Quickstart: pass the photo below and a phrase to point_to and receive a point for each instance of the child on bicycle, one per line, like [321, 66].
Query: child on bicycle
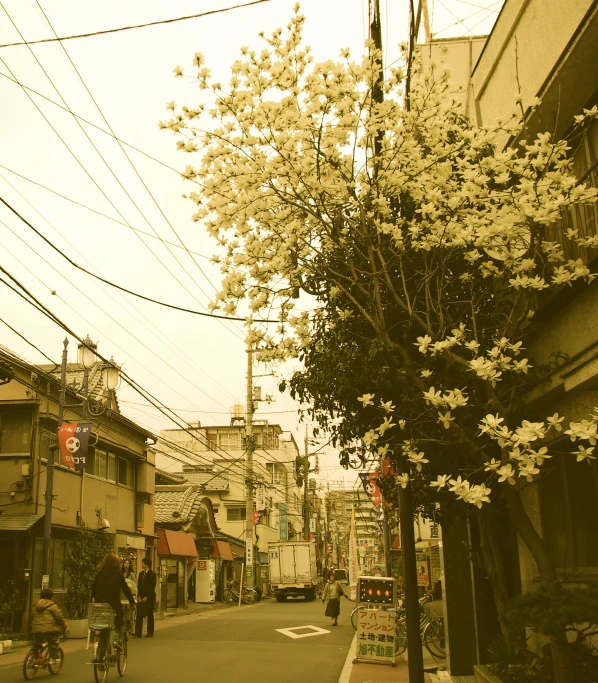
[47, 622]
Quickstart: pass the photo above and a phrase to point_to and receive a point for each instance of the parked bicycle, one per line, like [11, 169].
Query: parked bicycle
[107, 650]
[231, 594]
[42, 657]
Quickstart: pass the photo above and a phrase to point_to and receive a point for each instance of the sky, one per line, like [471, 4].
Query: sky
[140, 234]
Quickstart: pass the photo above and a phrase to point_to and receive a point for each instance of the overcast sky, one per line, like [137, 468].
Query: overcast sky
[192, 364]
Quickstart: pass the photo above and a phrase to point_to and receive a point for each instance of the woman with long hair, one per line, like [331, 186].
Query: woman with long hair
[108, 584]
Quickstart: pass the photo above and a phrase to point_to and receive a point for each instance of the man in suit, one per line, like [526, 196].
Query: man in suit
[146, 598]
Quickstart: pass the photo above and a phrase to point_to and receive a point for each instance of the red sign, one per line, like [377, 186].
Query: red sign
[387, 468]
[256, 517]
[73, 441]
[369, 481]
[202, 565]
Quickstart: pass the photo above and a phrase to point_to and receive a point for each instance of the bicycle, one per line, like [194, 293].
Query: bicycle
[433, 633]
[232, 593]
[106, 652]
[39, 657]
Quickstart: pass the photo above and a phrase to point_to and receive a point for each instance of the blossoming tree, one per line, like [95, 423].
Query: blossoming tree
[418, 236]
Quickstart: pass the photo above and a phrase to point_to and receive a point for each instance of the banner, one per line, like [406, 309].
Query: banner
[353, 558]
[369, 481]
[257, 515]
[283, 525]
[73, 441]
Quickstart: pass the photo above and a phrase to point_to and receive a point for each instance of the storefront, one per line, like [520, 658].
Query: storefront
[176, 551]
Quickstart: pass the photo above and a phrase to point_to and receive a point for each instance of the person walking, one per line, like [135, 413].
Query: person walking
[107, 586]
[146, 598]
[333, 593]
[129, 612]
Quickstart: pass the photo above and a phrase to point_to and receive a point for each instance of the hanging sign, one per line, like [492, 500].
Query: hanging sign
[283, 527]
[73, 441]
[256, 517]
[369, 481]
[312, 524]
[260, 498]
[423, 578]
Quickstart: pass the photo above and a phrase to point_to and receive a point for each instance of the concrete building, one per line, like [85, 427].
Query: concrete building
[116, 488]
[222, 478]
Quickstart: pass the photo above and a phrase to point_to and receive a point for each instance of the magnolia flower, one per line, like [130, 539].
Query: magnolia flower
[492, 466]
[445, 419]
[426, 373]
[477, 495]
[555, 421]
[366, 399]
[403, 480]
[529, 471]
[506, 473]
[387, 424]
[387, 407]
[585, 454]
[417, 459]
[177, 71]
[423, 343]
[370, 437]
[382, 450]
[490, 423]
[583, 430]
[402, 424]
[440, 482]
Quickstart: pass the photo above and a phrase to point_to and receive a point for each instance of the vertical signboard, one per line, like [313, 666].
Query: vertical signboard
[423, 577]
[249, 557]
[353, 558]
[376, 636]
[283, 525]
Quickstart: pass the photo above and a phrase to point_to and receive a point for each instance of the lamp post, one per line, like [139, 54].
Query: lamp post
[86, 357]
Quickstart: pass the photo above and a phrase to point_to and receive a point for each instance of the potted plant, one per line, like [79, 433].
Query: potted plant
[81, 564]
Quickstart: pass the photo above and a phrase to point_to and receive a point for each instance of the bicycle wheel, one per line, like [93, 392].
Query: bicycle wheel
[54, 665]
[29, 668]
[354, 617]
[121, 659]
[400, 637]
[249, 596]
[101, 666]
[228, 596]
[433, 637]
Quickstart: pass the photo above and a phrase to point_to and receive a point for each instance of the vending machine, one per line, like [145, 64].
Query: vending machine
[205, 581]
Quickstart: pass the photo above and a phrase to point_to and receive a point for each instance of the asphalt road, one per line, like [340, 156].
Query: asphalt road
[232, 646]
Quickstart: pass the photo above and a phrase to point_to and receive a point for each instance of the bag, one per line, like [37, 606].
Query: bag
[132, 584]
[143, 609]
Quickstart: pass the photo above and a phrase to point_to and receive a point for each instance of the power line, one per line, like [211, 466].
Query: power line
[90, 123]
[97, 106]
[99, 213]
[136, 26]
[168, 343]
[28, 342]
[113, 284]
[108, 167]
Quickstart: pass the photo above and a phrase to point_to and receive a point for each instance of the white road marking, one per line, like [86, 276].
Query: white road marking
[290, 632]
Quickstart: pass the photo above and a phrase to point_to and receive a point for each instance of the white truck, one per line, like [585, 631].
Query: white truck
[293, 569]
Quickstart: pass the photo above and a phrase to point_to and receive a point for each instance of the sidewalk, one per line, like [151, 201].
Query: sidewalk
[16, 655]
[375, 673]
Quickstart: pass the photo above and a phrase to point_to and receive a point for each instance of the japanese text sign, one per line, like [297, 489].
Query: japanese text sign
[73, 441]
[376, 636]
[369, 481]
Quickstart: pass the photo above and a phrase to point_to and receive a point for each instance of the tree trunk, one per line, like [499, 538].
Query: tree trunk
[560, 650]
[494, 565]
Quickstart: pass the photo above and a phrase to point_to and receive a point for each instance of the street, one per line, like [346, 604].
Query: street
[236, 646]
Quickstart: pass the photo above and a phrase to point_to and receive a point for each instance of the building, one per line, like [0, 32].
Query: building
[221, 475]
[115, 492]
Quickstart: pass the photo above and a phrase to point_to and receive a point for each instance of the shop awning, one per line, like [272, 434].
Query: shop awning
[221, 549]
[176, 543]
[18, 522]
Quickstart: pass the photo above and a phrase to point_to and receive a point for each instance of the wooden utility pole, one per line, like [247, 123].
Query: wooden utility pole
[249, 564]
[305, 488]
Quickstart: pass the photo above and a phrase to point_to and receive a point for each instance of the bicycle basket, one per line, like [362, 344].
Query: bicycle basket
[100, 615]
[434, 609]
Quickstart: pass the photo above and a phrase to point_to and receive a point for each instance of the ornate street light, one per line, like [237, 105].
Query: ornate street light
[86, 353]
[110, 375]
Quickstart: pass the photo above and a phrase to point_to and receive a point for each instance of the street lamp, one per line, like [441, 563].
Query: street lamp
[110, 375]
[86, 353]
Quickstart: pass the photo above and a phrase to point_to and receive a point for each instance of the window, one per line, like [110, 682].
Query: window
[229, 440]
[46, 439]
[569, 501]
[126, 472]
[236, 514]
[58, 551]
[15, 433]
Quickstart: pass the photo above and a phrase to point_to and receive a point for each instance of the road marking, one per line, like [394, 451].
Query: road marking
[290, 632]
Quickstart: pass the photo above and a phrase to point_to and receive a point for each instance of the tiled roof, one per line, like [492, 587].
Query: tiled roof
[211, 481]
[74, 374]
[176, 504]
[168, 478]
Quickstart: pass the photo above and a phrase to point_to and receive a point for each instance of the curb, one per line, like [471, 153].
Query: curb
[348, 665]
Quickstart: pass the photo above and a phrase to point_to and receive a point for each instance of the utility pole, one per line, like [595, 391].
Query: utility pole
[412, 609]
[385, 529]
[249, 564]
[305, 488]
[50, 466]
